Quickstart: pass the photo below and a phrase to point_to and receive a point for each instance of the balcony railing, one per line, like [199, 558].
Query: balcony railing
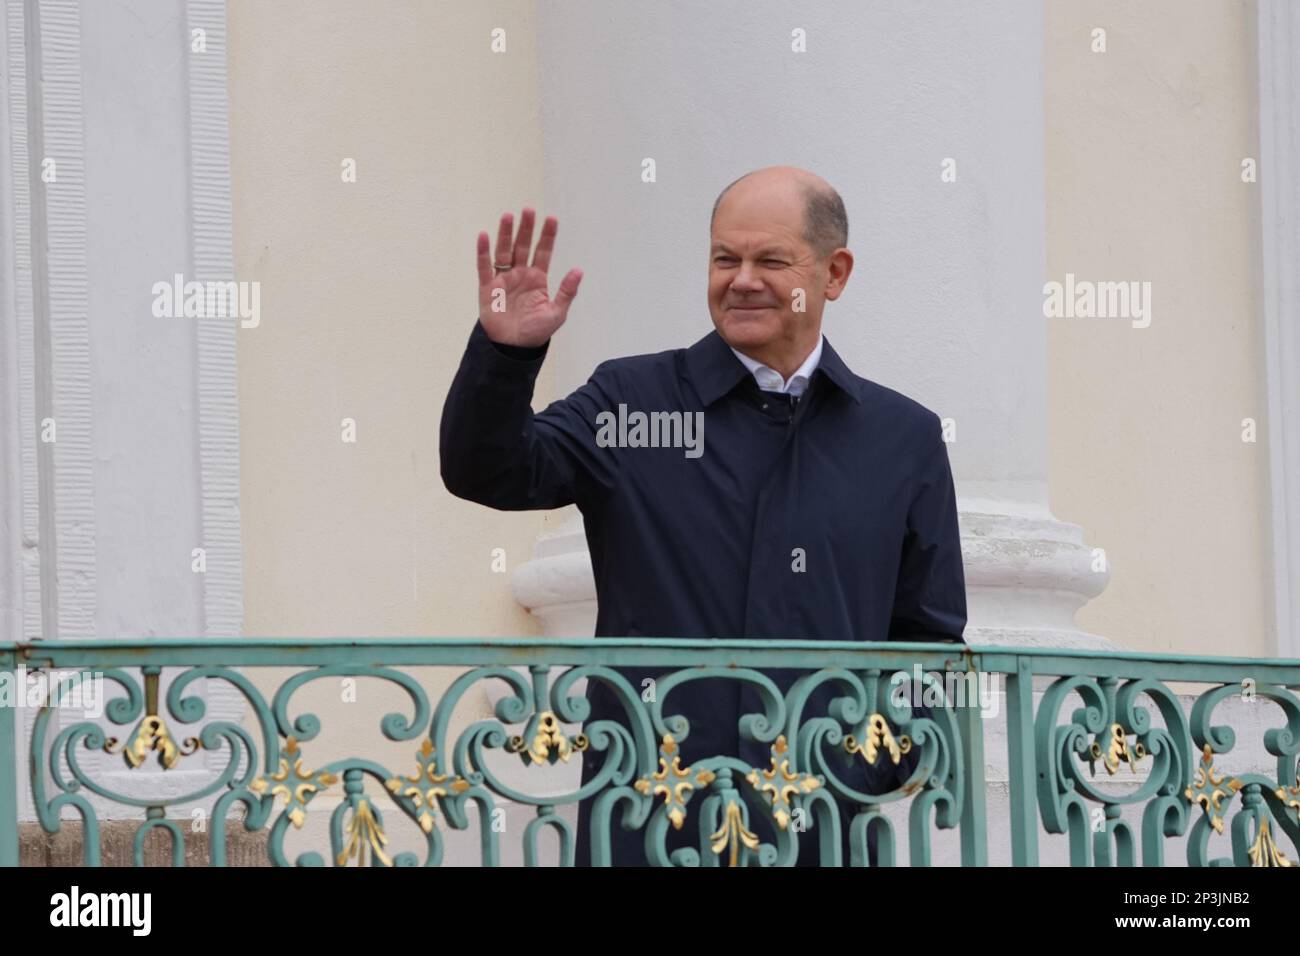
[1132, 759]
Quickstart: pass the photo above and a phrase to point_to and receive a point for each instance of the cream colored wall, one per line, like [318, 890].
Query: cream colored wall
[1143, 153]
[369, 293]
[368, 296]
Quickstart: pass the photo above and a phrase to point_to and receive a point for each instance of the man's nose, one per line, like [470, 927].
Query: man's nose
[746, 279]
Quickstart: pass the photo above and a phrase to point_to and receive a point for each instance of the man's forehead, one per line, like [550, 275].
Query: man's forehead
[754, 243]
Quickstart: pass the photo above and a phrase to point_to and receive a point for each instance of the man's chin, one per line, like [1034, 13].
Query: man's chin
[741, 332]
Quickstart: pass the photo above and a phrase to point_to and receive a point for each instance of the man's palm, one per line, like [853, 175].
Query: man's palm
[514, 306]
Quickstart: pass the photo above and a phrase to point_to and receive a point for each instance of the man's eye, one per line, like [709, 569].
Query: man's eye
[774, 262]
[723, 259]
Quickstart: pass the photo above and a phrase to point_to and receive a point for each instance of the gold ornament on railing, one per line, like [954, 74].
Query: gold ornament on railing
[1117, 751]
[426, 785]
[549, 741]
[298, 791]
[1207, 789]
[780, 784]
[732, 834]
[673, 781]
[364, 831]
[1264, 852]
[151, 735]
[878, 736]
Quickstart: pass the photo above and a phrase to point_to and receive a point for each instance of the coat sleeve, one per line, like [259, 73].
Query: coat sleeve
[495, 451]
[930, 598]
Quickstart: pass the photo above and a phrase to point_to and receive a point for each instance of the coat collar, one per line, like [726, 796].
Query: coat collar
[715, 370]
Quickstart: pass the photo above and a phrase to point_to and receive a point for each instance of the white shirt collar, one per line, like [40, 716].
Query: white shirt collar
[769, 380]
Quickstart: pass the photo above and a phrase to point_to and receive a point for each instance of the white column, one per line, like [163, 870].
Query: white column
[1279, 184]
[115, 176]
[945, 303]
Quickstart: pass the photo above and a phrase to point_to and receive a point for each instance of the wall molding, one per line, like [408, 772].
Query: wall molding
[51, 519]
[19, 516]
[1278, 30]
[48, 574]
[218, 384]
[61, 332]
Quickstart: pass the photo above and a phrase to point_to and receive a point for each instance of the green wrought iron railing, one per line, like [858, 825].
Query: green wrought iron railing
[1131, 758]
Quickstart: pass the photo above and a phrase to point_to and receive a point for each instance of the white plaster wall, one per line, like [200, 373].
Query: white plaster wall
[945, 289]
[146, 443]
[101, 162]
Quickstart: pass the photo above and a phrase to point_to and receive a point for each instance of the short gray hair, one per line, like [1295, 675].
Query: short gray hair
[825, 220]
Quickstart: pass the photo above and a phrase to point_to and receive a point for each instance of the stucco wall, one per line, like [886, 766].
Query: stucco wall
[369, 293]
[1144, 147]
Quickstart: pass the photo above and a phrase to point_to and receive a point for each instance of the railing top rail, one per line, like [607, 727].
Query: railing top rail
[461, 651]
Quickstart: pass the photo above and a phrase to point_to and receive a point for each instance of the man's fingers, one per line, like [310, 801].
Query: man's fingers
[484, 260]
[568, 289]
[504, 233]
[542, 258]
[524, 241]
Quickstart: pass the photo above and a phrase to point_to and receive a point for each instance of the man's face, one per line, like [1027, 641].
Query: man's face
[757, 260]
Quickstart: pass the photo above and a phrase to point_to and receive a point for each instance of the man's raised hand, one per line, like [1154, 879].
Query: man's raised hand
[514, 307]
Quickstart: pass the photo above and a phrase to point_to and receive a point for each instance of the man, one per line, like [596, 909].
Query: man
[818, 506]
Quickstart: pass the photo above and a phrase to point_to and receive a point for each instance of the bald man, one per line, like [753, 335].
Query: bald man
[749, 486]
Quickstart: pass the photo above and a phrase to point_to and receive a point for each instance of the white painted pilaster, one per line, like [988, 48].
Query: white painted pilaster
[1279, 191]
[115, 176]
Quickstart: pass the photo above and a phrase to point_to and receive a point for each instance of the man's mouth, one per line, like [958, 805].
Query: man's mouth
[749, 308]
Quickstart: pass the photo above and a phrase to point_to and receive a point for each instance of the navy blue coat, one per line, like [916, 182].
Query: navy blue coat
[853, 473]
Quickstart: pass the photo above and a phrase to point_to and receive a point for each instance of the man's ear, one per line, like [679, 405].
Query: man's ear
[839, 268]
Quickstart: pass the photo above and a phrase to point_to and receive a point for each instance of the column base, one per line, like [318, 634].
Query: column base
[1026, 575]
